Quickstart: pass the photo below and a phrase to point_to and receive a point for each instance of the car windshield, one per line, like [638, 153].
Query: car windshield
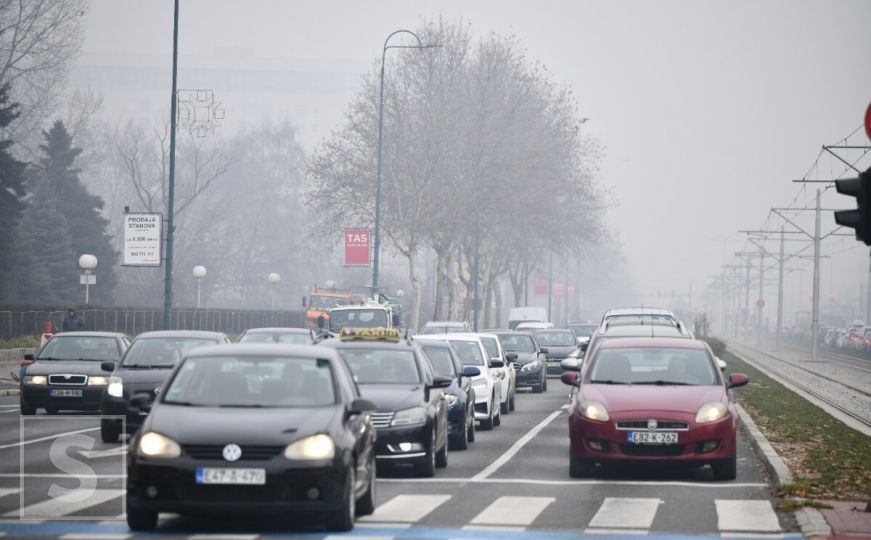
[357, 318]
[147, 352]
[62, 347]
[556, 339]
[382, 366]
[652, 365]
[519, 343]
[440, 358]
[491, 346]
[469, 352]
[324, 303]
[584, 330]
[442, 329]
[294, 338]
[252, 381]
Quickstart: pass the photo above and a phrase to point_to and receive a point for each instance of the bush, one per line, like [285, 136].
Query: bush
[717, 345]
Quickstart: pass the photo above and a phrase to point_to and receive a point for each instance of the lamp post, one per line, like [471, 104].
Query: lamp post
[170, 206]
[199, 273]
[377, 243]
[87, 263]
[274, 279]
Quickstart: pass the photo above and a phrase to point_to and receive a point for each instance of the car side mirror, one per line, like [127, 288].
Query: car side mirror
[721, 364]
[471, 371]
[737, 379]
[543, 350]
[511, 357]
[496, 363]
[108, 366]
[570, 378]
[360, 406]
[583, 346]
[30, 357]
[441, 382]
[140, 403]
[570, 364]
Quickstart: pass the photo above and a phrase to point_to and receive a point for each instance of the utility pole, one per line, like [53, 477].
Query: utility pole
[815, 313]
[549, 286]
[780, 291]
[170, 210]
[760, 301]
[747, 295]
[477, 269]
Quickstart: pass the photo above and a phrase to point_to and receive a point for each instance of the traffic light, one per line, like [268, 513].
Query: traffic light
[859, 219]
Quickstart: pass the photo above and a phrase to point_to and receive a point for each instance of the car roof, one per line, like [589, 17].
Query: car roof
[552, 330]
[435, 343]
[90, 334]
[457, 336]
[656, 342]
[278, 330]
[263, 349]
[180, 333]
[335, 343]
[645, 330]
[639, 311]
[511, 333]
[446, 323]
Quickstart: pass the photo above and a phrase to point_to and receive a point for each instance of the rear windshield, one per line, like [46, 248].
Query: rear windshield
[277, 337]
[81, 348]
[166, 352]
[584, 330]
[380, 366]
[652, 365]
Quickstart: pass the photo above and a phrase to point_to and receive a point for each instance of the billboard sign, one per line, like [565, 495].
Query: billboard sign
[143, 240]
[358, 243]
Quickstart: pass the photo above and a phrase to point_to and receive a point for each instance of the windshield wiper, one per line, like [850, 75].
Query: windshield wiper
[609, 381]
[663, 383]
[148, 366]
[241, 405]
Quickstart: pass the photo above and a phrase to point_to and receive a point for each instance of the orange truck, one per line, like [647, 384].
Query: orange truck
[320, 302]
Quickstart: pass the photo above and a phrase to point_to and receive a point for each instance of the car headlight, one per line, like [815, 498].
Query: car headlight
[451, 399]
[116, 387]
[594, 411]
[711, 412]
[318, 446]
[532, 366]
[98, 381]
[35, 379]
[479, 384]
[409, 417]
[153, 444]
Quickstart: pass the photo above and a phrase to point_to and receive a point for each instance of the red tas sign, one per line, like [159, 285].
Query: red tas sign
[358, 243]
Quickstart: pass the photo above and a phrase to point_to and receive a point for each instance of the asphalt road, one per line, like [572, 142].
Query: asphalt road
[513, 482]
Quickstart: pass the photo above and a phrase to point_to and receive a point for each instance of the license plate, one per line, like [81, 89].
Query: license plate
[652, 437]
[553, 363]
[66, 392]
[209, 475]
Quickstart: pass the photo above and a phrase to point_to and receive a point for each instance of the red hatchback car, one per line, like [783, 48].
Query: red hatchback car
[653, 399]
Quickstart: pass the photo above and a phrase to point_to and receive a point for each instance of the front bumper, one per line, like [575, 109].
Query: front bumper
[554, 369]
[403, 444]
[528, 378]
[39, 396]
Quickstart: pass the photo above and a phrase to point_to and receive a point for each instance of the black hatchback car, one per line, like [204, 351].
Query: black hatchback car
[560, 344]
[142, 370]
[411, 408]
[460, 395]
[255, 429]
[67, 374]
[530, 365]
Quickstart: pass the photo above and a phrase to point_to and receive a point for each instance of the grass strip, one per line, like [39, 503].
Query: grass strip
[829, 460]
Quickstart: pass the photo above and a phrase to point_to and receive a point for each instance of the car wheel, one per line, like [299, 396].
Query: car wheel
[544, 384]
[511, 399]
[343, 519]
[427, 468]
[141, 520]
[538, 388]
[579, 467]
[461, 440]
[51, 410]
[503, 407]
[109, 431]
[726, 469]
[27, 410]
[487, 424]
[471, 428]
[442, 456]
[366, 504]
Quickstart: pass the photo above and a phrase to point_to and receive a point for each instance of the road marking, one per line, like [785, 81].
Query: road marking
[94, 536]
[93, 454]
[9, 411]
[501, 460]
[533, 481]
[625, 513]
[772, 536]
[406, 508]
[60, 475]
[8, 406]
[512, 511]
[565, 407]
[50, 437]
[493, 528]
[8, 491]
[54, 508]
[621, 532]
[383, 525]
[223, 536]
[739, 515]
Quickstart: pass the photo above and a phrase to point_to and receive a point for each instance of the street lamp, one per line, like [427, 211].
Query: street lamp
[377, 242]
[199, 273]
[274, 279]
[87, 263]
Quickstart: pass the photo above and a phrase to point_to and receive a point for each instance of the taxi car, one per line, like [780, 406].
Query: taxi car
[460, 395]
[653, 399]
[254, 429]
[411, 416]
[66, 374]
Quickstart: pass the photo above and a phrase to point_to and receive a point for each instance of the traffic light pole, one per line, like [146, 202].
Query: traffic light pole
[780, 292]
[815, 314]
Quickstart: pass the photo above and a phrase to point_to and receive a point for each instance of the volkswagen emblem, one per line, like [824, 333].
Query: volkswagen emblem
[651, 424]
[157, 391]
[232, 452]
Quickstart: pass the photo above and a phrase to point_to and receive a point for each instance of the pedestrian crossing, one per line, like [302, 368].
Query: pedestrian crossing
[734, 518]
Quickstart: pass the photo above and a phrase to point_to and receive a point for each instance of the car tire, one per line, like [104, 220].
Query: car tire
[27, 410]
[141, 520]
[511, 399]
[366, 504]
[342, 520]
[442, 457]
[539, 388]
[110, 431]
[461, 440]
[726, 469]
[487, 425]
[427, 468]
[579, 467]
[497, 419]
[470, 431]
[544, 384]
[503, 407]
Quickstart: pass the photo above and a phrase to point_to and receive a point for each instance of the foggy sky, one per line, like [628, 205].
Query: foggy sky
[706, 110]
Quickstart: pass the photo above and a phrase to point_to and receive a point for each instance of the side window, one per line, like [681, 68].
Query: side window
[423, 361]
[347, 385]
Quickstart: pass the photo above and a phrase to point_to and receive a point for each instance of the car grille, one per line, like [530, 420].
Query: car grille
[652, 449]
[673, 425]
[67, 379]
[216, 451]
[382, 419]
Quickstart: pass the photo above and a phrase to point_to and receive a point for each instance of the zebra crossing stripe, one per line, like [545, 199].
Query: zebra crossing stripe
[219, 536]
[625, 513]
[512, 511]
[55, 508]
[94, 536]
[406, 508]
[746, 516]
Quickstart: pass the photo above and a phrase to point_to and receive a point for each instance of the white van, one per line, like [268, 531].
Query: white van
[526, 314]
[533, 326]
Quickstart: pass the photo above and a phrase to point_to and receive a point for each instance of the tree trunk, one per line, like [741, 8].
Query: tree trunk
[441, 282]
[497, 293]
[449, 283]
[488, 297]
[416, 288]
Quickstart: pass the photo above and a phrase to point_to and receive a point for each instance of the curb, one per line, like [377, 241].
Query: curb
[812, 522]
[9, 392]
[778, 470]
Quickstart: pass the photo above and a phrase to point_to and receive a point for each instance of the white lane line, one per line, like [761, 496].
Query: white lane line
[505, 528]
[8, 491]
[8, 406]
[60, 475]
[95, 536]
[9, 411]
[625, 513]
[50, 437]
[406, 508]
[739, 515]
[594, 531]
[503, 459]
[533, 481]
[565, 407]
[771, 536]
[219, 536]
[512, 511]
[63, 506]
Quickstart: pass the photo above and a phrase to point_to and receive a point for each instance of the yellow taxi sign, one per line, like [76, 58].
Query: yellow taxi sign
[370, 334]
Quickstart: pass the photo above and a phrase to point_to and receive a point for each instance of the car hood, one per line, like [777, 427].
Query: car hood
[559, 352]
[392, 397]
[52, 367]
[217, 425]
[142, 376]
[619, 398]
[525, 358]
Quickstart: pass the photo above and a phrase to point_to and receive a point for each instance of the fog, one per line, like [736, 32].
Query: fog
[705, 111]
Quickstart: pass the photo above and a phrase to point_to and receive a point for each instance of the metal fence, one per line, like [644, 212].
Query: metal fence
[132, 321]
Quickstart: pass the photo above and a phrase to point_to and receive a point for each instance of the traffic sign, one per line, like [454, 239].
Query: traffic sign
[868, 121]
[760, 303]
[357, 247]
